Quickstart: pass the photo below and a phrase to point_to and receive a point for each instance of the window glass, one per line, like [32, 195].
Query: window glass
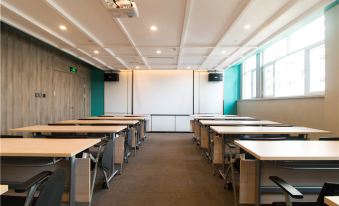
[317, 69]
[275, 51]
[246, 86]
[250, 63]
[307, 35]
[268, 80]
[289, 75]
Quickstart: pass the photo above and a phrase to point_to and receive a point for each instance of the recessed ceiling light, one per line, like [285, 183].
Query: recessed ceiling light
[137, 67]
[153, 28]
[247, 26]
[188, 67]
[158, 51]
[223, 51]
[96, 52]
[62, 27]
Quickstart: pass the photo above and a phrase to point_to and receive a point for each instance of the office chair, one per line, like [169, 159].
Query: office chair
[50, 184]
[329, 138]
[328, 189]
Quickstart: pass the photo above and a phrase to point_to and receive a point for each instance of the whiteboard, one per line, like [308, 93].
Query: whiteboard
[163, 92]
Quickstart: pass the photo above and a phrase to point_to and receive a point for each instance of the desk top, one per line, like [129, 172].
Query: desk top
[3, 189]
[291, 150]
[224, 118]
[265, 130]
[100, 122]
[232, 122]
[115, 118]
[43, 147]
[332, 200]
[70, 129]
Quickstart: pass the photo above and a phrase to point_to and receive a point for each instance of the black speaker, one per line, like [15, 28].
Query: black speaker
[215, 77]
[111, 77]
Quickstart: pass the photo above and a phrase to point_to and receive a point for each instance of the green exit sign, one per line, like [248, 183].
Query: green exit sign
[73, 69]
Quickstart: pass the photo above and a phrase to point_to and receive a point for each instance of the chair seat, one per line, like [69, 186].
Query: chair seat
[296, 204]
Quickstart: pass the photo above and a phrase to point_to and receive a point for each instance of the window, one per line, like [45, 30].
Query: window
[289, 75]
[292, 66]
[317, 69]
[249, 78]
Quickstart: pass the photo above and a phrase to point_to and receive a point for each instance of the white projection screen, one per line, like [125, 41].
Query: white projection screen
[163, 92]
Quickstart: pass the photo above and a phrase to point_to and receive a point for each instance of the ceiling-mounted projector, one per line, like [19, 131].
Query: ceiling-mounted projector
[122, 8]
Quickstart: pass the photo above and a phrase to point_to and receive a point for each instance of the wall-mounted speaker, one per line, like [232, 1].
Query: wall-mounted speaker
[111, 77]
[215, 77]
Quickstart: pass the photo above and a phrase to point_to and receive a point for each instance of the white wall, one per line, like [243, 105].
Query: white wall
[208, 96]
[322, 113]
[166, 92]
[118, 95]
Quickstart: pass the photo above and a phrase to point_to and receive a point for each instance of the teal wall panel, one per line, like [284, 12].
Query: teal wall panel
[231, 89]
[97, 92]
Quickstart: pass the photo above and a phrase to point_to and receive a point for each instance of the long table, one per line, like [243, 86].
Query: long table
[231, 133]
[332, 200]
[33, 147]
[264, 151]
[3, 189]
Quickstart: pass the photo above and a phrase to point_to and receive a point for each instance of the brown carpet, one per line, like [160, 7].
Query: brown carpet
[167, 170]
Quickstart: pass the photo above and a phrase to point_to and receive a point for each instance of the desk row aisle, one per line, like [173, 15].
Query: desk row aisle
[76, 149]
[261, 160]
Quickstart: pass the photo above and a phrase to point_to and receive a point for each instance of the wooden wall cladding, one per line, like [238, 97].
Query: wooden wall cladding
[29, 66]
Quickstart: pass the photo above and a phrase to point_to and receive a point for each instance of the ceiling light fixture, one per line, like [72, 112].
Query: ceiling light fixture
[158, 51]
[153, 28]
[247, 26]
[63, 27]
[188, 67]
[223, 51]
[137, 67]
[96, 52]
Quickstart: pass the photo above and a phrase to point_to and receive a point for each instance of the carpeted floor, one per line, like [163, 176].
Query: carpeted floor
[167, 170]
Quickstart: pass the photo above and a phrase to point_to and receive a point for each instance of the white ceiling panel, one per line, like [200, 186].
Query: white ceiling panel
[167, 15]
[209, 20]
[191, 34]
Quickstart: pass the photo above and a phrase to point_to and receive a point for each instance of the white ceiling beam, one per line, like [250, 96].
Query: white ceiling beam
[281, 11]
[70, 19]
[42, 27]
[235, 20]
[131, 41]
[184, 29]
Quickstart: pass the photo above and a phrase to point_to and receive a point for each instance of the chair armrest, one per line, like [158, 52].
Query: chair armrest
[32, 181]
[289, 189]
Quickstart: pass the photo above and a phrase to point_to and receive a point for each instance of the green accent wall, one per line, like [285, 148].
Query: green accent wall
[231, 89]
[330, 6]
[97, 92]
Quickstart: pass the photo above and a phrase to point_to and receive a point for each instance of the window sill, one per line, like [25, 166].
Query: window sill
[284, 98]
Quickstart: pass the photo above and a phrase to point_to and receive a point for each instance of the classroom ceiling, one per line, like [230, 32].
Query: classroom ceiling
[191, 34]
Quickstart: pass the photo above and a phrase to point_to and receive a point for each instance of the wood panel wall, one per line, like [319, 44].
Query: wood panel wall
[29, 66]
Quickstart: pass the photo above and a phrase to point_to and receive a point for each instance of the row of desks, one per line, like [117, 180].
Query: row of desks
[67, 147]
[231, 127]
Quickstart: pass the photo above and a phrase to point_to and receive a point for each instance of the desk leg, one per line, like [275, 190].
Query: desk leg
[257, 182]
[113, 170]
[72, 177]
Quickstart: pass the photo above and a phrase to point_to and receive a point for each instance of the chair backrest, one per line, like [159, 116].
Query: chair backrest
[52, 191]
[107, 158]
[329, 138]
[328, 189]
[11, 136]
[263, 137]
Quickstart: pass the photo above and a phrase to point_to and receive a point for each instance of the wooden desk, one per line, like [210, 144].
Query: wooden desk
[42, 147]
[115, 118]
[332, 200]
[3, 189]
[238, 130]
[100, 122]
[224, 118]
[32, 147]
[235, 123]
[287, 151]
[69, 129]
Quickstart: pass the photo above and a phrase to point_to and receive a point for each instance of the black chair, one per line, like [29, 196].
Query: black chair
[11, 136]
[329, 138]
[328, 189]
[51, 187]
